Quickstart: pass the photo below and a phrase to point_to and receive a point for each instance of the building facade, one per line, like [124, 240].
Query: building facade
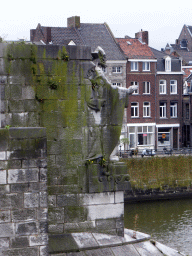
[141, 68]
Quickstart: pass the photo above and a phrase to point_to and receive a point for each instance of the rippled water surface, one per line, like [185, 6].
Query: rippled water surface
[169, 222]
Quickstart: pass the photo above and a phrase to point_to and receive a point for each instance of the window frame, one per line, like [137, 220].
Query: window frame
[173, 109]
[135, 83]
[162, 109]
[134, 66]
[146, 66]
[146, 85]
[117, 69]
[173, 86]
[135, 109]
[168, 64]
[162, 87]
[146, 109]
[118, 84]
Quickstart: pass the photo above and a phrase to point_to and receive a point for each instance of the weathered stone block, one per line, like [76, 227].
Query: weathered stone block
[56, 228]
[4, 243]
[16, 106]
[36, 240]
[4, 139]
[3, 177]
[14, 164]
[19, 188]
[67, 200]
[52, 200]
[119, 197]
[43, 199]
[42, 214]
[105, 211]
[11, 201]
[24, 229]
[4, 189]
[28, 93]
[76, 214]
[16, 92]
[3, 165]
[6, 229]
[29, 251]
[97, 198]
[31, 200]
[23, 175]
[3, 155]
[23, 215]
[21, 133]
[56, 215]
[43, 174]
[5, 216]
[19, 242]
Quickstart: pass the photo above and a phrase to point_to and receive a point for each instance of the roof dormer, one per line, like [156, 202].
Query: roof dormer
[167, 64]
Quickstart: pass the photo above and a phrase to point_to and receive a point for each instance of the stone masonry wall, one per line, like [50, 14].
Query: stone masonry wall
[23, 192]
[47, 86]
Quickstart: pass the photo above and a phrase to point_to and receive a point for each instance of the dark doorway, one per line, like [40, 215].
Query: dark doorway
[175, 138]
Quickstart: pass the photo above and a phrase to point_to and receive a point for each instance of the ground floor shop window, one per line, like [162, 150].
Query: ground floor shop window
[164, 137]
[141, 136]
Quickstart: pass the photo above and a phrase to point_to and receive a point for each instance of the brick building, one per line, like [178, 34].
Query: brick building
[141, 68]
[169, 80]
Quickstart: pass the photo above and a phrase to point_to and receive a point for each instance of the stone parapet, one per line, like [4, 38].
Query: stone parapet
[23, 196]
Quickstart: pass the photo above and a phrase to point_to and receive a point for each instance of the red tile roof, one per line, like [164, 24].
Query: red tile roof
[134, 49]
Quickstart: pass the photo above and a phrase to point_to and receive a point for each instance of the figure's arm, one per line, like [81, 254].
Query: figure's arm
[132, 88]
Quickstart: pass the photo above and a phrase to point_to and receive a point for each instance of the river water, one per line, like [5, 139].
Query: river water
[168, 222]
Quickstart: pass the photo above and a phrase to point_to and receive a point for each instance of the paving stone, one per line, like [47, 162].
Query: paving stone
[104, 239]
[84, 240]
[99, 252]
[125, 250]
[147, 249]
[167, 250]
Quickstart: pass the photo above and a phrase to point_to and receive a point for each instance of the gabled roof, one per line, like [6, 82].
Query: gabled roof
[87, 34]
[134, 49]
[95, 35]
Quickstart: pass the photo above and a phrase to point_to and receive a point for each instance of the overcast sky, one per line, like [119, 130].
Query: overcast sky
[163, 19]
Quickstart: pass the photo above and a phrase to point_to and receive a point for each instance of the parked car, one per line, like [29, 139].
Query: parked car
[148, 152]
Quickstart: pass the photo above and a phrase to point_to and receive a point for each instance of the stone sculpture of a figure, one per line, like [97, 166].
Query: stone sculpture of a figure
[106, 104]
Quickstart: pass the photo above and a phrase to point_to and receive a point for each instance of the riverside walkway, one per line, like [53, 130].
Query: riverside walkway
[96, 244]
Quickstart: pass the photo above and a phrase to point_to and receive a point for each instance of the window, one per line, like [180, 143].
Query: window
[173, 109]
[118, 84]
[163, 136]
[146, 87]
[134, 109]
[173, 86]
[146, 66]
[168, 64]
[134, 66]
[145, 135]
[117, 69]
[136, 91]
[162, 109]
[162, 87]
[146, 109]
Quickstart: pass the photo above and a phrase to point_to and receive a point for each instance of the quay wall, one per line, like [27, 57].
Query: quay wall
[156, 178]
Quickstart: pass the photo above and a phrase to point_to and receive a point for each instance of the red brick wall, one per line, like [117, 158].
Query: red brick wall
[140, 77]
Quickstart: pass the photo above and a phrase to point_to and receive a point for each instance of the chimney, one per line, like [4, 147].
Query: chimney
[73, 22]
[142, 36]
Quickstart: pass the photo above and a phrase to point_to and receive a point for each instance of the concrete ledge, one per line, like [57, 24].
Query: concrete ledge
[85, 243]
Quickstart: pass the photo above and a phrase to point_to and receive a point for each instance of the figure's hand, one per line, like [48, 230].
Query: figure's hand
[132, 88]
